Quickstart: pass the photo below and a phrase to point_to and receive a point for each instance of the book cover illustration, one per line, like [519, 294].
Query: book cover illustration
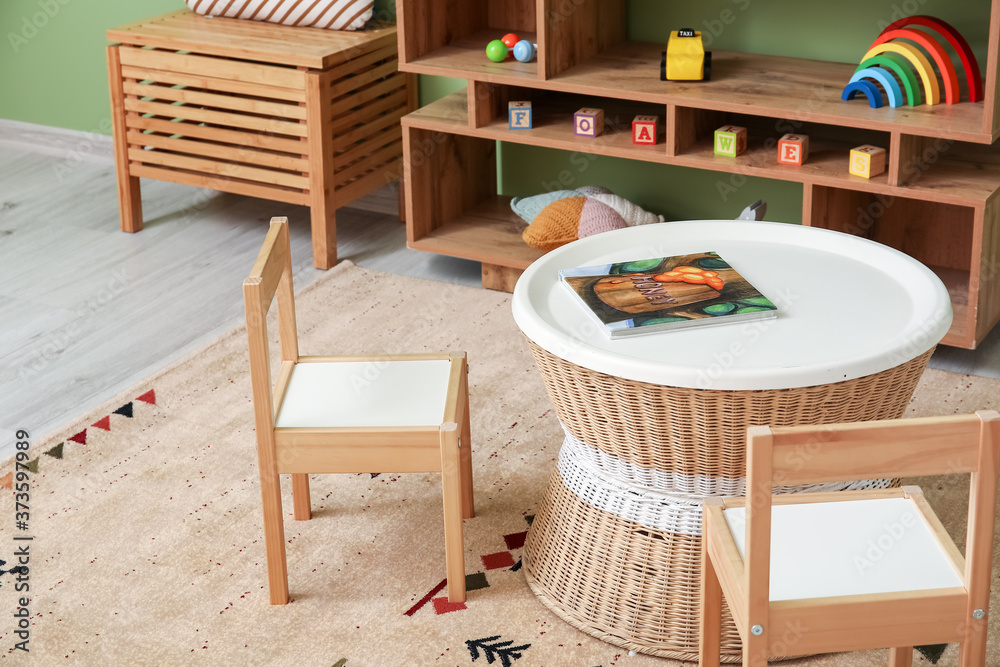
[656, 294]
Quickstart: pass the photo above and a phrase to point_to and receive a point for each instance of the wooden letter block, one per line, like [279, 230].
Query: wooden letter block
[793, 149]
[519, 115]
[589, 122]
[867, 161]
[644, 129]
[730, 140]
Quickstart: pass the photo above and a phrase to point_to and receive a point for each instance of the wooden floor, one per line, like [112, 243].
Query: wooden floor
[87, 311]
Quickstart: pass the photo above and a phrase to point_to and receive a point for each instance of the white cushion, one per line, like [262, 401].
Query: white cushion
[370, 393]
[849, 548]
[333, 14]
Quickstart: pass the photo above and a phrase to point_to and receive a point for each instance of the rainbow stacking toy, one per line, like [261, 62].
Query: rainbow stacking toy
[890, 58]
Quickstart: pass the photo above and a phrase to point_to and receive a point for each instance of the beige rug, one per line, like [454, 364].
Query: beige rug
[147, 542]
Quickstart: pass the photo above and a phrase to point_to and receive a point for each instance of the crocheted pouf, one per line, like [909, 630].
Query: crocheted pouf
[568, 219]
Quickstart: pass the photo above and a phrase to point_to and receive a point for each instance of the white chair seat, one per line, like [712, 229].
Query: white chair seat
[366, 393]
[849, 548]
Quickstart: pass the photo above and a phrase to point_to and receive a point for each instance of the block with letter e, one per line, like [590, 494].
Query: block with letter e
[644, 129]
[793, 149]
[867, 161]
[730, 140]
[589, 122]
[519, 115]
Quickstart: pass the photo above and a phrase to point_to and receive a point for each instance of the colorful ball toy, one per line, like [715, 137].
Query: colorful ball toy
[524, 51]
[510, 39]
[496, 51]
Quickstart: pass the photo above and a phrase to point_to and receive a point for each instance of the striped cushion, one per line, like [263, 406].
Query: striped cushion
[333, 14]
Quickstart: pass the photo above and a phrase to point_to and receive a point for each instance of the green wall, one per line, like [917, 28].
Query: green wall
[52, 59]
[52, 72]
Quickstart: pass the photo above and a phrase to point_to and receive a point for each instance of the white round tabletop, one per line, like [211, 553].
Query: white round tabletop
[847, 307]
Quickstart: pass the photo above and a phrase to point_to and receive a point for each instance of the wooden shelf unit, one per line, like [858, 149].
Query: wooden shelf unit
[936, 201]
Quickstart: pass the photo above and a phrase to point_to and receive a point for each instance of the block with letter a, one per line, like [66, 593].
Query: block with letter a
[644, 129]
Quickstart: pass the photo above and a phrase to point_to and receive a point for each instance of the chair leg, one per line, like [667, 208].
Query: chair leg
[710, 644]
[300, 497]
[465, 454]
[755, 651]
[901, 656]
[972, 652]
[451, 486]
[274, 536]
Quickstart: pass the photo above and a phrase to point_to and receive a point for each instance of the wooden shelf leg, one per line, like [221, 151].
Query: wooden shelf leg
[500, 278]
[401, 184]
[322, 202]
[324, 235]
[129, 201]
[129, 195]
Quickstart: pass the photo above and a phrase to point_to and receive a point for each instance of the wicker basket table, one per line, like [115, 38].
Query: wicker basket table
[655, 423]
[291, 114]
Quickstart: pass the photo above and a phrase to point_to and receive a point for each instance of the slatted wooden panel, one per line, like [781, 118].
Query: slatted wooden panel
[368, 96]
[215, 122]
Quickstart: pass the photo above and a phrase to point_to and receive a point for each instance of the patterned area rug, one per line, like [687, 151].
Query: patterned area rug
[141, 534]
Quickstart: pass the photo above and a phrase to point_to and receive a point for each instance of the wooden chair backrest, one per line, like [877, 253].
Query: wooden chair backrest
[271, 276]
[865, 450]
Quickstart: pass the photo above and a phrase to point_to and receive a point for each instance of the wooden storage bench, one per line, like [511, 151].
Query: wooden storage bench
[297, 115]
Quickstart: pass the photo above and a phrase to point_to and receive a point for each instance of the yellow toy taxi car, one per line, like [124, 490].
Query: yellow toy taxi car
[685, 58]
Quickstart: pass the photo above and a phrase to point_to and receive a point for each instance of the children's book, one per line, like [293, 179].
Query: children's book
[666, 293]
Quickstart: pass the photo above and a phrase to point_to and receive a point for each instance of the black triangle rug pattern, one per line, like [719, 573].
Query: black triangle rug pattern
[932, 652]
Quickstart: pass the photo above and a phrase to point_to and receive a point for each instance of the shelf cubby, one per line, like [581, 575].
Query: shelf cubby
[693, 145]
[914, 227]
[446, 38]
[553, 121]
[457, 218]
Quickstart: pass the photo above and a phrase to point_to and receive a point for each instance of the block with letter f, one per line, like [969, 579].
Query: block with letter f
[519, 115]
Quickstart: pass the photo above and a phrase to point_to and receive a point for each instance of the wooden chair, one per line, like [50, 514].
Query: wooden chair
[387, 413]
[808, 573]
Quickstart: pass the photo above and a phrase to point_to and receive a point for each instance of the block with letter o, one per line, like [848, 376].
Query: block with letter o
[589, 122]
